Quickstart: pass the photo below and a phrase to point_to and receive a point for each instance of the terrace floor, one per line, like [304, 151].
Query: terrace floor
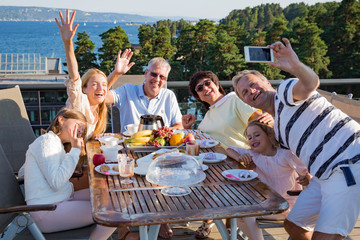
[187, 232]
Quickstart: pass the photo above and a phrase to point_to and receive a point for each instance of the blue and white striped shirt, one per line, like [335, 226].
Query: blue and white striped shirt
[321, 135]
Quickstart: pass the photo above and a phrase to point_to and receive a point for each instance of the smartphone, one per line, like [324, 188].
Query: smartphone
[258, 54]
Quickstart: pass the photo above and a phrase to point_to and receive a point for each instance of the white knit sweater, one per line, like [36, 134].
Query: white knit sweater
[48, 169]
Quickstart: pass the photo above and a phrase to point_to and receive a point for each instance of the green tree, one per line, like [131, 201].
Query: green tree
[295, 10]
[84, 52]
[185, 45]
[224, 57]
[238, 32]
[114, 40]
[310, 48]
[146, 34]
[345, 40]
[193, 46]
[205, 31]
[259, 39]
[162, 44]
[276, 31]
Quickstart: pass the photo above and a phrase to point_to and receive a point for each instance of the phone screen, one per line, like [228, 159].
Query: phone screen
[258, 54]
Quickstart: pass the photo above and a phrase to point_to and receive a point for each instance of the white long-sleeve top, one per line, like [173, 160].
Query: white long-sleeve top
[48, 169]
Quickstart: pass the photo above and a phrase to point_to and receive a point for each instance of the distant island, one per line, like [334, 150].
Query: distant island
[9, 13]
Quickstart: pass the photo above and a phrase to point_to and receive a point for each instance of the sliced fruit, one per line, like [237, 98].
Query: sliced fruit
[142, 133]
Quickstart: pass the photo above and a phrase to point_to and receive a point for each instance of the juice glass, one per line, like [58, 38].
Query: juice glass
[126, 169]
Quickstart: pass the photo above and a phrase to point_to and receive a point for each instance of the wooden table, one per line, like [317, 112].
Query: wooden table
[141, 204]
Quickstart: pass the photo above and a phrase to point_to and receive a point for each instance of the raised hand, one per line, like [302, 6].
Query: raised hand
[188, 120]
[76, 140]
[123, 62]
[286, 58]
[67, 30]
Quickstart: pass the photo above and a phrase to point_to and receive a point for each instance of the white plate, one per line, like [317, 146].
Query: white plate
[237, 173]
[218, 158]
[141, 170]
[207, 143]
[110, 172]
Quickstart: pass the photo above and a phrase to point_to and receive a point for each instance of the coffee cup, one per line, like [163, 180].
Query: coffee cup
[110, 153]
[110, 141]
[131, 128]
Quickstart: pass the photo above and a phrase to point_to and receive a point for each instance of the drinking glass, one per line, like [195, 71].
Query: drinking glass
[126, 169]
[192, 148]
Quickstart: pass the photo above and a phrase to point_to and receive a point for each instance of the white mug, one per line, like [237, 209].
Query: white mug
[110, 153]
[110, 141]
[131, 128]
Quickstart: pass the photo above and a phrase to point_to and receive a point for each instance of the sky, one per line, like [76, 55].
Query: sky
[210, 9]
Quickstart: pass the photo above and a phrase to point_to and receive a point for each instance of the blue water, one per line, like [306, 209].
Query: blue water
[44, 37]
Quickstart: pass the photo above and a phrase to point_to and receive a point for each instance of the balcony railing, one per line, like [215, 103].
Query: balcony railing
[22, 63]
[44, 99]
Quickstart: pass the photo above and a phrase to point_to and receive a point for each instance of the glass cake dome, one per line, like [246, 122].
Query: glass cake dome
[177, 171]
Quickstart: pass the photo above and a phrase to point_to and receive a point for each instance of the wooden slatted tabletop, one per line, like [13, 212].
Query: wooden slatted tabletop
[142, 203]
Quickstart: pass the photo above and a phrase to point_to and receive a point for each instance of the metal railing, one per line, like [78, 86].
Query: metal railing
[22, 63]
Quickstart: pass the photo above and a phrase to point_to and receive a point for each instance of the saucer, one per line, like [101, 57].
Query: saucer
[218, 157]
[127, 133]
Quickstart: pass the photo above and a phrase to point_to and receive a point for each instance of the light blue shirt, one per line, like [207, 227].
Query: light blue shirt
[132, 103]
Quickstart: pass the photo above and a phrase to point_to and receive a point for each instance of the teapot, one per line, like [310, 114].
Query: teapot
[150, 122]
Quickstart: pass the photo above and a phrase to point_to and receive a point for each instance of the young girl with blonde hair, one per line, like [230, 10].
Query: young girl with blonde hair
[50, 163]
[279, 168]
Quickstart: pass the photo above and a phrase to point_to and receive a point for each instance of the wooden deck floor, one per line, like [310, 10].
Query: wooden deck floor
[183, 232]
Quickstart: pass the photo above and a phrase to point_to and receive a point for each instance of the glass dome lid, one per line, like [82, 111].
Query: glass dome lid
[177, 171]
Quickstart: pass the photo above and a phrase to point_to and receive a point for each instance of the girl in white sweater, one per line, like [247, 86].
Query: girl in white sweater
[50, 162]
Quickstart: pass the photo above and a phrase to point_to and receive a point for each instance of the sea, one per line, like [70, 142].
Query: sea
[44, 37]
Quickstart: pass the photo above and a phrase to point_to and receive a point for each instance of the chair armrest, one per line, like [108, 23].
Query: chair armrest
[294, 192]
[78, 172]
[28, 208]
[20, 180]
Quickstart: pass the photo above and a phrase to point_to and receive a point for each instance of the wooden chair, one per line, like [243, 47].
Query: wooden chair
[13, 210]
[15, 220]
[16, 131]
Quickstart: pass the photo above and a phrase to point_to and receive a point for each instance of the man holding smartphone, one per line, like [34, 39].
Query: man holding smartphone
[322, 136]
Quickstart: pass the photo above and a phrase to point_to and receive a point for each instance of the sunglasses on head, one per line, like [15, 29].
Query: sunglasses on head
[155, 75]
[200, 87]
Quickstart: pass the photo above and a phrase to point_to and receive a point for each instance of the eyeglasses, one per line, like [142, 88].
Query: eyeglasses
[200, 87]
[155, 75]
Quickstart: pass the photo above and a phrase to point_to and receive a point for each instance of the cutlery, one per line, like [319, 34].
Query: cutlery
[232, 176]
